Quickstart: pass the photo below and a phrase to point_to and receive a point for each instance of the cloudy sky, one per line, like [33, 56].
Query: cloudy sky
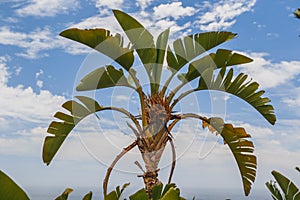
[39, 70]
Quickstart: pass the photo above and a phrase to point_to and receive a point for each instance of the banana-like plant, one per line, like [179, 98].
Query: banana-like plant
[289, 190]
[153, 126]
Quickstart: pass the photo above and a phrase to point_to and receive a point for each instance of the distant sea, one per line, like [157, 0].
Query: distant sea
[42, 194]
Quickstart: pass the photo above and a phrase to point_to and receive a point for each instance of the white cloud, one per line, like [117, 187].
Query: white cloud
[39, 73]
[23, 103]
[223, 14]
[268, 73]
[39, 83]
[143, 3]
[109, 3]
[174, 9]
[4, 75]
[35, 43]
[44, 8]
[293, 100]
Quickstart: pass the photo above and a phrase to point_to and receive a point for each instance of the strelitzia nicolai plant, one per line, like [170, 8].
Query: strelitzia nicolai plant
[153, 126]
[287, 190]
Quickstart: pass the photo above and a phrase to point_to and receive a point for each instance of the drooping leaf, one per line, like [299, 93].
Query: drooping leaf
[10, 190]
[103, 41]
[88, 196]
[59, 130]
[276, 195]
[65, 194]
[221, 59]
[240, 87]
[103, 77]
[191, 46]
[290, 190]
[139, 195]
[242, 149]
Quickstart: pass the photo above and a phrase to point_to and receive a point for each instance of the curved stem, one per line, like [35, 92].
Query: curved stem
[181, 97]
[193, 115]
[125, 112]
[124, 151]
[172, 94]
[173, 160]
[166, 85]
[139, 90]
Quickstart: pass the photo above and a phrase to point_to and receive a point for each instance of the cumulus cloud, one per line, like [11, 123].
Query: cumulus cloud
[37, 42]
[174, 9]
[223, 14]
[143, 3]
[268, 73]
[112, 4]
[23, 103]
[44, 8]
[33, 42]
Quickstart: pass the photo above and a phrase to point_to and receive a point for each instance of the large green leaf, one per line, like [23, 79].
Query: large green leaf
[191, 46]
[240, 87]
[103, 41]
[241, 147]
[161, 45]
[142, 41]
[291, 192]
[222, 58]
[59, 130]
[9, 190]
[139, 36]
[103, 77]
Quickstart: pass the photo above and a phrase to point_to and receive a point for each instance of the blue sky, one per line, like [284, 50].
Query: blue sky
[39, 69]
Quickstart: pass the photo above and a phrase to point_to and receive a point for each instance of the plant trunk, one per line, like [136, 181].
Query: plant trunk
[150, 177]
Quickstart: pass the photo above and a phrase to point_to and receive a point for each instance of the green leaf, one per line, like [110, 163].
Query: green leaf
[276, 195]
[103, 41]
[156, 192]
[112, 196]
[291, 192]
[10, 190]
[240, 87]
[60, 130]
[241, 147]
[124, 187]
[161, 45]
[88, 196]
[141, 38]
[139, 195]
[172, 194]
[222, 58]
[65, 194]
[167, 187]
[191, 46]
[103, 77]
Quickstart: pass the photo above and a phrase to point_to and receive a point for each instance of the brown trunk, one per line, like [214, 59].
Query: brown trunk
[150, 177]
